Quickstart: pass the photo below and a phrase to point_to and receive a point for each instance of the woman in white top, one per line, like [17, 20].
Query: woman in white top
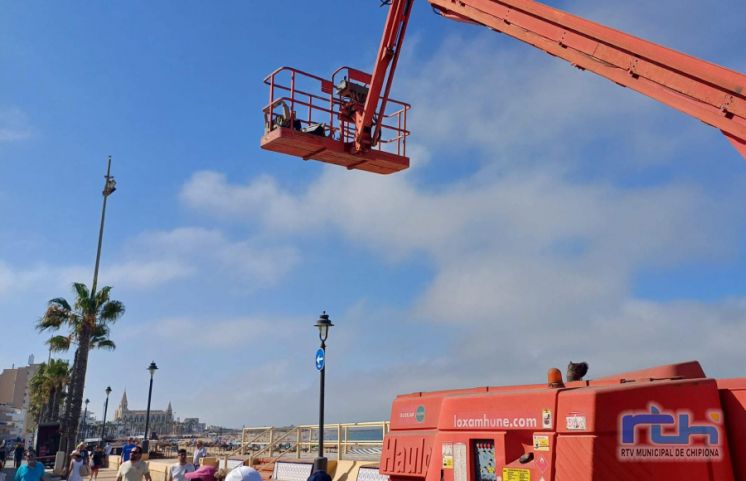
[73, 472]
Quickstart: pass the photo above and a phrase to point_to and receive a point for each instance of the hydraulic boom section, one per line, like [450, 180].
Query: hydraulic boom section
[711, 93]
[383, 75]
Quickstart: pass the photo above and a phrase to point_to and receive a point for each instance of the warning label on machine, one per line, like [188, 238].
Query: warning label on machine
[541, 442]
[516, 474]
[447, 451]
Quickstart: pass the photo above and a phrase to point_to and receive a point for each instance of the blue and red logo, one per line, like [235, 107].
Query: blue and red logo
[659, 435]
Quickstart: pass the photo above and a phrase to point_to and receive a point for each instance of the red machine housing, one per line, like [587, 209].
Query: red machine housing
[664, 423]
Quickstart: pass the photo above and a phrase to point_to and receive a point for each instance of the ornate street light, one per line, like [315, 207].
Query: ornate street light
[106, 408]
[323, 324]
[152, 369]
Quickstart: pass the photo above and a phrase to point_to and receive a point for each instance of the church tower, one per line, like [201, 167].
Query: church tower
[122, 409]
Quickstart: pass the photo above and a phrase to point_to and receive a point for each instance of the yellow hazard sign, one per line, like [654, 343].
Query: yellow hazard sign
[541, 442]
[516, 474]
[447, 451]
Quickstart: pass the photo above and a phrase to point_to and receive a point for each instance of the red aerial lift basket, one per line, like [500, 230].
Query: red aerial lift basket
[312, 118]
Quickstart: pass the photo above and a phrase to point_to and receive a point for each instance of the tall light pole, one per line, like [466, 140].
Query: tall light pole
[106, 408]
[109, 187]
[83, 422]
[152, 368]
[323, 324]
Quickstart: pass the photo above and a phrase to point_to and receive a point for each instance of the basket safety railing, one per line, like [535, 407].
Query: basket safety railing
[311, 104]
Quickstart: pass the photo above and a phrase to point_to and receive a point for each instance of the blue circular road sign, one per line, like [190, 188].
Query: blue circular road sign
[320, 359]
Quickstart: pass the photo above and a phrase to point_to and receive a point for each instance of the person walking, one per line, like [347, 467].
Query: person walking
[177, 470]
[97, 462]
[199, 452]
[107, 452]
[18, 455]
[76, 463]
[31, 471]
[2, 455]
[135, 469]
[127, 449]
[84, 455]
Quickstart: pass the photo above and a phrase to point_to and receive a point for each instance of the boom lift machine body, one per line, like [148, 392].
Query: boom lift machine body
[350, 120]
[661, 424]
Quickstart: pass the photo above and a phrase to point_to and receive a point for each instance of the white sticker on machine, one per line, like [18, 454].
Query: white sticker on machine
[546, 419]
[460, 462]
[576, 422]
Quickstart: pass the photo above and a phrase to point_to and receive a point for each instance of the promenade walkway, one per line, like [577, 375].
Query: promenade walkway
[108, 474]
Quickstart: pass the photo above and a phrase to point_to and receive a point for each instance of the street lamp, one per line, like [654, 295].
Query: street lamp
[109, 187]
[323, 324]
[83, 423]
[106, 408]
[152, 368]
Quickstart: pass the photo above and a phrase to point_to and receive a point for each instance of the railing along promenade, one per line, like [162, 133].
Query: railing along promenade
[341, 441]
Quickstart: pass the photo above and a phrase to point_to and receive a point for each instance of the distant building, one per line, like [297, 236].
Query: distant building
[133, 421]
[15, 394]
[11, 422]
[191, 426]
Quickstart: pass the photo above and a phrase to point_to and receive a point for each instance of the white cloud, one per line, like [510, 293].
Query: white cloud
[39, 277]
[147, 273]
[160, 256]
[207, 333]
[14, 125]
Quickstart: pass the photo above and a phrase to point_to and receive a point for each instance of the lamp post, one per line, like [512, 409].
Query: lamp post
[83, 422]
[109, 187]
[152, 368]
[106, 408]
[323, 324]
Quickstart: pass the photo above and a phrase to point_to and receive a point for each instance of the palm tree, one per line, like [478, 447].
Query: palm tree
[47, 390]
[38, 394]
[88, 327]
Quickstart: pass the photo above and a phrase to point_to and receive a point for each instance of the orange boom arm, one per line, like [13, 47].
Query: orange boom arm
[711, 93]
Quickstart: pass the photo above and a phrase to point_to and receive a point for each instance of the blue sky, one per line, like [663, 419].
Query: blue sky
[548, 216]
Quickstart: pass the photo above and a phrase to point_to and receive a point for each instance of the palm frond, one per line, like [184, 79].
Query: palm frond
[53, 318]
[106, 344]
[86, 306]
[102, 296]
[49, 322]
[100, 330]
[59, 343]
[111, 311]
[81, 290]
[61, 302]
[83, 302]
